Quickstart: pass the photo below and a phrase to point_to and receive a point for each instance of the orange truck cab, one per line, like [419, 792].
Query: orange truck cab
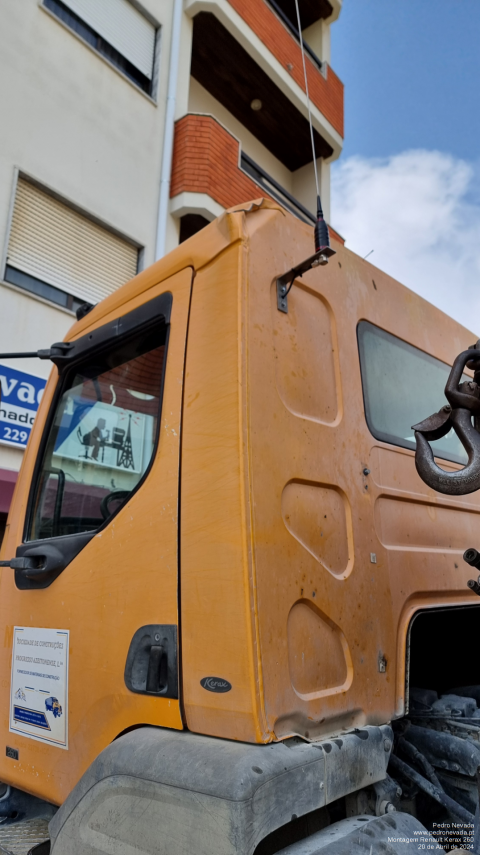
[234, 619]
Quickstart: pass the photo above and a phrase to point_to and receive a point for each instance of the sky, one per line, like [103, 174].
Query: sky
[407, 184]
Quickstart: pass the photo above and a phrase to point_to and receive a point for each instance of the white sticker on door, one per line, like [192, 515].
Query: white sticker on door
[39, 688]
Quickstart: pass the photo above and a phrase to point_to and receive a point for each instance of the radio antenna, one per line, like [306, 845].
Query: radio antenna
[323, 250]
[308, 97]
[322, 238]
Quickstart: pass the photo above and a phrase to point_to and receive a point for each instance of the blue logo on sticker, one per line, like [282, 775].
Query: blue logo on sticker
[52, 705]
[33, 717]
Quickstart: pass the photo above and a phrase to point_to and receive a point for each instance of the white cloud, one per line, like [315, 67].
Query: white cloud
[420, 212]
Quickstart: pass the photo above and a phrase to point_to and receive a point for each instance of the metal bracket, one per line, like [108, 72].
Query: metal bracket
[286, 280]
[472, 557]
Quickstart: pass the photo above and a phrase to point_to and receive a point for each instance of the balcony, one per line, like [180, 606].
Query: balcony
[245, 51]
[310, 10]
[326, 90]
[275, 190]
[210, 173]
[289, 18]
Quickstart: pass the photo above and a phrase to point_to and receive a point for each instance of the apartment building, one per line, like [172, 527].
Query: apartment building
[126, 127]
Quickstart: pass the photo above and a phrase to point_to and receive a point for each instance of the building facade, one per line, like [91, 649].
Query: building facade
[127, 127]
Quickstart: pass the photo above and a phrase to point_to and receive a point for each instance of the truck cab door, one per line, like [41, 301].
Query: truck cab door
[90, 608]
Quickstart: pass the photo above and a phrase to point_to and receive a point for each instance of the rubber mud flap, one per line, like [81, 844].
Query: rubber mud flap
[394, 834]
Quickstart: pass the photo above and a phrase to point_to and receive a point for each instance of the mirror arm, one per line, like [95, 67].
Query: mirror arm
[60, 348]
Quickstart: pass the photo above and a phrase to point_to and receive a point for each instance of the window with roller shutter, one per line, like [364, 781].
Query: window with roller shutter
[59, 254]
[117, 30]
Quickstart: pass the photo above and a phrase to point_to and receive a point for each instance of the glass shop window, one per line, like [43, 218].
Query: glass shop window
[102, 438]
[401, 387]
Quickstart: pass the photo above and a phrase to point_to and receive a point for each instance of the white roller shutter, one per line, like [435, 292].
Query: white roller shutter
[54, 243]
[120, 24]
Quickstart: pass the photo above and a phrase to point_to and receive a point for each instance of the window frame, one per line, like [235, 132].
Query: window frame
[391, 439]
[73, 302]
[152, 93]
[51, 294]
[108, 335]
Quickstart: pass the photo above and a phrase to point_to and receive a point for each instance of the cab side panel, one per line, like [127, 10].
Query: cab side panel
[344, 531]
[216, 584]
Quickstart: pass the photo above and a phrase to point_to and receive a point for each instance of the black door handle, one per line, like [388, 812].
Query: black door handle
[151, 666]
[156, 680]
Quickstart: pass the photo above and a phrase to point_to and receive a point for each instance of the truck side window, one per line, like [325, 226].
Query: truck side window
[101, 437]
[400, 385]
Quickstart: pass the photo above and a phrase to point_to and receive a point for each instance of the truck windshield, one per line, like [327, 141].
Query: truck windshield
[101, 438]
[401, 387]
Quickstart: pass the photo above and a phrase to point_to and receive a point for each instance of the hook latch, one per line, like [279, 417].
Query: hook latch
[463, 405]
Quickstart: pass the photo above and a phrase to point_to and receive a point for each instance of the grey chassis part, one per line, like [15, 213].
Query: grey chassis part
[394, 834]
[164, 792]
[15, 806]
[445, 750]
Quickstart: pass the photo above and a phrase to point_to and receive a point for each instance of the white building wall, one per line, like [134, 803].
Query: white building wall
[317, 36]
[77, 125]
[72, 121]
[304, 188]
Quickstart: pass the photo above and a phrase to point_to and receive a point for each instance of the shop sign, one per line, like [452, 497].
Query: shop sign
[21, 394]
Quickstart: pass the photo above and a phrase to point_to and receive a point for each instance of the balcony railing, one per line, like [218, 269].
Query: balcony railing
[274, 189]
[293, 29]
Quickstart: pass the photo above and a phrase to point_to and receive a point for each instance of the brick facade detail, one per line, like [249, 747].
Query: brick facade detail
[205, 160]
[325, 92]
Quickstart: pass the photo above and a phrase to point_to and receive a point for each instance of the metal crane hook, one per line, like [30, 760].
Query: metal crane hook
[463, 403]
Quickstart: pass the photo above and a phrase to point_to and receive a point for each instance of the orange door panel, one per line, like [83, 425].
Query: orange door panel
[123, 579]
